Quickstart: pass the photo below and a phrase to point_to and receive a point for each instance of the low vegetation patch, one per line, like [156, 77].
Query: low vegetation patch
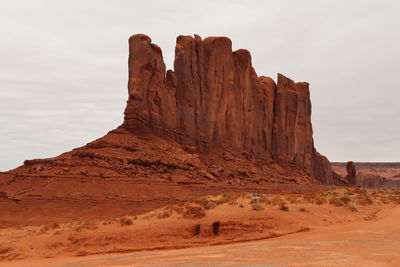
[283, 207]
[257, 207]
[195, 212]
[124, 221]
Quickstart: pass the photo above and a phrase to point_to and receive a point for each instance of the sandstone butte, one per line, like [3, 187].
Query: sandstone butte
[210, 125]
[215, 98]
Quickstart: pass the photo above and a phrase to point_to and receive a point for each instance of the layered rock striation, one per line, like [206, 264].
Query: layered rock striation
[214, 98]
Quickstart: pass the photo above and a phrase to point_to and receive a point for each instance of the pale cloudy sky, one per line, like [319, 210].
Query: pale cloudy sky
[63, 66]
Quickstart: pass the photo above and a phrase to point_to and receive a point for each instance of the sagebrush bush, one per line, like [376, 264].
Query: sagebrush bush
[210, 205]
[283, 207]
[165, 214]
[124, 221]
[364, 201]
[345, 200]
[192, 211]
[336, 202]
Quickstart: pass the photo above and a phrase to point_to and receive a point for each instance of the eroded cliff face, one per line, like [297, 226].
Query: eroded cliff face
[214, 98]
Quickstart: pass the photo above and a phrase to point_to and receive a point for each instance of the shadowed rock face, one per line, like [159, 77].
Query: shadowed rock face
[215, 98]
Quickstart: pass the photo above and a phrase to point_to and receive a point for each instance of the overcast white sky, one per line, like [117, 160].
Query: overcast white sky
[63, 66]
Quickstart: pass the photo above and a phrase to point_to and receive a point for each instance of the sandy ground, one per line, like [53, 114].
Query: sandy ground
[310, 232]
[375, 243]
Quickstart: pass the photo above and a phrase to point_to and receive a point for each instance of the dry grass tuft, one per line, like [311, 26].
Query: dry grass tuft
[336, 202]
[283, 207]
[192, 211]
[257, 207]
[166, 213]
[370, 217]
[124, 221]
[364, 200]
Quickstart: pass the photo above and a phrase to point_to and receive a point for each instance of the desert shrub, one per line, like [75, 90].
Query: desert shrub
[191, 211]
[345, 200]
[352, 208]
[385, 200]
[44, 228]
[164, 214]
[309, 198]
[331, 193]
[396, 200]
[391, 198]
[257, 207]
[124, 221]
[178, 209]
[210, 205]
[370, 217]
[319, 200]
[336, 202]
[303, 210]
[360, 191]
[202, 202]
[265, 200]
[283, 207]
[225, 198]
[364, 201]
[54, 226]
[241, 205]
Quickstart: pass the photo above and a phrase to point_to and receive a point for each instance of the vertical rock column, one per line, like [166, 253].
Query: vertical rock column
[292, 141]
[146, 85]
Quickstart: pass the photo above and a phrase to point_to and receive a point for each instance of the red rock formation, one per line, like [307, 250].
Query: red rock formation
[370, 180]
[351, 173]
[323, 171]
[211, 125]
[215, 98]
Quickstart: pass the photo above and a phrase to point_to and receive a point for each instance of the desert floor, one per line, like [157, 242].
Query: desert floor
[307, 234]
